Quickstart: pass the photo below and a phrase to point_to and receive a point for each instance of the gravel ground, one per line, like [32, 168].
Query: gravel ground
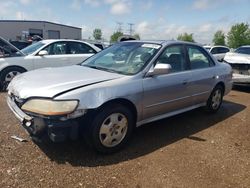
[193, 149]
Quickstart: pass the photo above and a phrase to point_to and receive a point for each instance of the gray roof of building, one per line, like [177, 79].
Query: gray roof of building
[34, 21]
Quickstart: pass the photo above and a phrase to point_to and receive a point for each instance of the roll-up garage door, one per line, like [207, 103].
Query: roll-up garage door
[52, 34]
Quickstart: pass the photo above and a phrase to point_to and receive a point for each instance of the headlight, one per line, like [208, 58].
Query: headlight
[50, 107]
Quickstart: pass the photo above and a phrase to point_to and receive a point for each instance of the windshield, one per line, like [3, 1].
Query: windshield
[32, 48]
[125, 58]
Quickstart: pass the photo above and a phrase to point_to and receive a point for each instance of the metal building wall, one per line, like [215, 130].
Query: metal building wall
[13, 29]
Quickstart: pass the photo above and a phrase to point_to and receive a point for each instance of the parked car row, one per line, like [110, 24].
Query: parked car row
[239, 59]
[105, 97]
[218, 52]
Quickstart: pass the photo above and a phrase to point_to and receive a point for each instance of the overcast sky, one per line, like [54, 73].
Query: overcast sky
[153, 19]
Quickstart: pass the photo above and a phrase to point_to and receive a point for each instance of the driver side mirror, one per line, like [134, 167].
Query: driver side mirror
[160, 69]
[43, 53]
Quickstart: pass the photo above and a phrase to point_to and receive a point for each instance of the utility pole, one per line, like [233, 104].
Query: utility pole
[119, 26]
[131, 30]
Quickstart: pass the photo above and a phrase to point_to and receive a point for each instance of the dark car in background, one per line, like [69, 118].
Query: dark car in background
[20, 44]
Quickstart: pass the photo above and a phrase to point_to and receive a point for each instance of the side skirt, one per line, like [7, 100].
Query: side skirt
[169, 114]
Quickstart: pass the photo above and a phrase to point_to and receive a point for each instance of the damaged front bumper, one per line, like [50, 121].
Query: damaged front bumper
[241, 73]
[240, 79]
[56, 129]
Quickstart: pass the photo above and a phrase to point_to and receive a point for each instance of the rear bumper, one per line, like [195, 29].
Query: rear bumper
[240, 79]
[38, 127]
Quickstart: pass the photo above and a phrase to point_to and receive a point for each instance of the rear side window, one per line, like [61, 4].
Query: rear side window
[219, 50]
[223, 50]
[198, 58]
[80, 48]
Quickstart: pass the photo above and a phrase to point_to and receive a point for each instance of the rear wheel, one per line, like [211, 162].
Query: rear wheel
[111, 128]
[7, 75]
[215, 99]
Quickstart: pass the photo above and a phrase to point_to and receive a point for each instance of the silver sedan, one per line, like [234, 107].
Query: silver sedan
[124, 86]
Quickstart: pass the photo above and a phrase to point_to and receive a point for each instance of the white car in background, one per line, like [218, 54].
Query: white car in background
[218, 52]
[45, 53]
[240, 63]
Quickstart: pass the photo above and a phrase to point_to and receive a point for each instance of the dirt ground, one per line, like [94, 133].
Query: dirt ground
[193, 149]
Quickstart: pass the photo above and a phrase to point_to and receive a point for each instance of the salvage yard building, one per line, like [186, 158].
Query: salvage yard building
[19, 29]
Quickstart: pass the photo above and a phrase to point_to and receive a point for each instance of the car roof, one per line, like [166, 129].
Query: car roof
[164, 42]
[246, 46]
[221, 46]
[48, 41]
[58, 40]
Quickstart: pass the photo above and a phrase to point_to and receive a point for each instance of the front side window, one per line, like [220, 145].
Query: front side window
[57, 48]
[198, 58]
[80, 48]
[126, 58]
[174, 55]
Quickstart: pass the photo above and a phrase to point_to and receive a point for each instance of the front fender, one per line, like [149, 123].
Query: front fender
[94, 96]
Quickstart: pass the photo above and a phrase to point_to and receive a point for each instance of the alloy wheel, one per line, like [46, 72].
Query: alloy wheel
[11, 75]
[216, 99]
[113, 130]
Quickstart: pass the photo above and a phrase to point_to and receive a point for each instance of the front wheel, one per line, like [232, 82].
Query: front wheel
[111, 128]
[215, 99]
[7, 75]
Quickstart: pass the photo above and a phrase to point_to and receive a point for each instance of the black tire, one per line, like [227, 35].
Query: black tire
[212, 106]
[3, 82]
[92, 132]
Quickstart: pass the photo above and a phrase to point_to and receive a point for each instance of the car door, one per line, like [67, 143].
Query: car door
[203, 73]
[57, 56]
[79, 51]
[169, 92]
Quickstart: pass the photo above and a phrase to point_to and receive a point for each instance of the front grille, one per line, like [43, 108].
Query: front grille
[241, 68]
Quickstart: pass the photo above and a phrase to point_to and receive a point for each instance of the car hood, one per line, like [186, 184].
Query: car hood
[49, 82]
[237, 58]
[11, 45]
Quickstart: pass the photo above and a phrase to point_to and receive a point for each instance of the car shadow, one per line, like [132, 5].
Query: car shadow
[145, 140]
[245, 89]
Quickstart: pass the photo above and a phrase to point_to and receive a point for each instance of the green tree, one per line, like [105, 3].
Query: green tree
[238, 35]
[114, 37]
[219, 38]
[97, 34]
[186, 37]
